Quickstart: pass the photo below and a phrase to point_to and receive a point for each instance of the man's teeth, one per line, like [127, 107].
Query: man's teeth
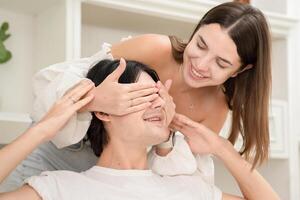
[153, 119]
[196, 73]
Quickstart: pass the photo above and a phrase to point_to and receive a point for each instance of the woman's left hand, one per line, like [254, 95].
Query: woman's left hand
[201, 139]
[64, 108]
[168, 104]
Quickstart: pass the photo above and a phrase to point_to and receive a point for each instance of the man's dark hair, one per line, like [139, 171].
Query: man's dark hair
[96, 133]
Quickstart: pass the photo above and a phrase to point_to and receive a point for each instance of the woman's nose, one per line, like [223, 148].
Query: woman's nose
[202, 64]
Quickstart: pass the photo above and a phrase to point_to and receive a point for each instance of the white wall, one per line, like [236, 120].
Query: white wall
[15, 75]
[109, 25]
[37, 41]
[50, 35]
[275, 171]
[279, 6]
[279, 69]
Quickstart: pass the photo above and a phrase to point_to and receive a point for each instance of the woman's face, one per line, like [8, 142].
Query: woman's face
[210, 58]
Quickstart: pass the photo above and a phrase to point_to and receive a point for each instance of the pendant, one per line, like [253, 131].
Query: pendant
[191, 106]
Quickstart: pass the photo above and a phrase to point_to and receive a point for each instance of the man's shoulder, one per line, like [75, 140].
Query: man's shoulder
[61, 175]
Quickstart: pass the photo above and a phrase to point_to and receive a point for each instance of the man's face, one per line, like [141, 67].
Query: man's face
[146, 127]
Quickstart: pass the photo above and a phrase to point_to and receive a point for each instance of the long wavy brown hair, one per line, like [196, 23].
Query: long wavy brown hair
[248, 93]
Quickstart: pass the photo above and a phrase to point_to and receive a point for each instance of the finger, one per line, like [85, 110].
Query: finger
[81, 103]
[138, 108]
[159, 102]
[176, 126]
[142, 93]
[81, 93]
[163, 92]
[70, 111]
[139, 86]
[183, 121]
[190, 123]
[158, 84]
[115, 75]
[168, 84]
[186, 131]
[144, 99]
[77, 88]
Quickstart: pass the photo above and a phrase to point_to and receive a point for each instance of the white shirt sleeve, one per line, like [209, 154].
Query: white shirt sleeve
[51, 83]
[45, 185]
[181, 161]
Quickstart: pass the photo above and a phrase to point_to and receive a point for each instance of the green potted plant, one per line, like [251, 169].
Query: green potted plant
[5, 55]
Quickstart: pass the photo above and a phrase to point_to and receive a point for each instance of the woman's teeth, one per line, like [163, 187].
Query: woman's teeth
[195, 73]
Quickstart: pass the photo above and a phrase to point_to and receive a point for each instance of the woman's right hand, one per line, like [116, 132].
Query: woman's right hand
[119, 99]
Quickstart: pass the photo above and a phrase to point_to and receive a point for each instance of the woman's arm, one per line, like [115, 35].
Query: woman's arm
[204, 141]
[231, 197]
[251, 183]
[151, 49]
[12, 154]
[56, 118]
[24, 193]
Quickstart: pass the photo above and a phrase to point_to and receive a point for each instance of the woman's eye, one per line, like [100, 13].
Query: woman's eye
[200, 46]
[221, 66]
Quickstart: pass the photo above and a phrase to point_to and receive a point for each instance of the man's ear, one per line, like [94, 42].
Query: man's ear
[249, 66]
[102, 116]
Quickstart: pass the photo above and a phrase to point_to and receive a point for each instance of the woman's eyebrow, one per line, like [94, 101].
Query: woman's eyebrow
[222, 59]
[202, 40]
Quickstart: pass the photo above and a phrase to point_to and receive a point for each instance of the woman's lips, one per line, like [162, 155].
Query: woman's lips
[194, 74]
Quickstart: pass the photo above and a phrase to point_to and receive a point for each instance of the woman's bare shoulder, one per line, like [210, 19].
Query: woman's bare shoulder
[145, 40]
[144, 48]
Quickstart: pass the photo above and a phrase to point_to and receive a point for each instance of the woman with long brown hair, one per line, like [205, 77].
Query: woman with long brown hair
[224, 66]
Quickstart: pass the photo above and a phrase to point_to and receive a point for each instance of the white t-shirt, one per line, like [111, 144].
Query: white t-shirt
[106, 183]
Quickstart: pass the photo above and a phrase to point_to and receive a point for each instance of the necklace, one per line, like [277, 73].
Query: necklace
[191, 105]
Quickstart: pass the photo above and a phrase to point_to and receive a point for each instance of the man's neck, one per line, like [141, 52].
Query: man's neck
[118, 156]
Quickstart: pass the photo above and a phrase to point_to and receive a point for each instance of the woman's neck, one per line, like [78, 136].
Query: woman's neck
[117, 155]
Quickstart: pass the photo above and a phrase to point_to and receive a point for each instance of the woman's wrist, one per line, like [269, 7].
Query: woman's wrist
[38, 133]
[223, 147]
[226, 153]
